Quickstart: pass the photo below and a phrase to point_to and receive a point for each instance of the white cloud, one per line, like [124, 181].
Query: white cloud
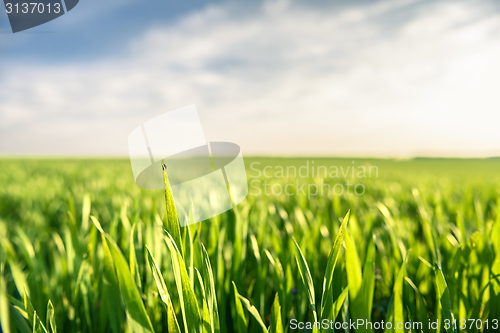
[396, 78]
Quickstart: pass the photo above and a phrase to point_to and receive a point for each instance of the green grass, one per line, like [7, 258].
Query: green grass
[83, 249]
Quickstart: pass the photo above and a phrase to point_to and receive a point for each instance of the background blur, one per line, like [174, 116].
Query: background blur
[365, 78]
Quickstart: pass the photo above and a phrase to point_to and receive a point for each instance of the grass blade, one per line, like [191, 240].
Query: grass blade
[160, 282]
[189, 305]
[339, 302]
[137, 318]
[327, 297]
[111, 288]
[172, 323]
[444, 297]
[140, 321]
[397, 315]
[172, 221]
[368, 284]
[241, 321]
[51, 322]
[19, 319]
[211, 295]
[207, 326]
[358, 309]
[38, 325]
[276, 324]
[253, 311]
[4, 305]
[305, 274]
[32, 316]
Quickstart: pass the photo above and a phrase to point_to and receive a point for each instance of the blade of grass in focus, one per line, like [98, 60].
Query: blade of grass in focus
[172, 221]
[189, 304]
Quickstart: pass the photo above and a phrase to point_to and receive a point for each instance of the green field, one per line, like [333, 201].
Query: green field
[422, 245]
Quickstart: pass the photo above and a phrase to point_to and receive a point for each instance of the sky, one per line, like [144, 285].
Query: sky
[393, 78]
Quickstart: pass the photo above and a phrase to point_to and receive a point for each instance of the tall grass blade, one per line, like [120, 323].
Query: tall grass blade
[139, 319]
[189, 305]
[19, 319]
[172, 323]
[396, 315]
[276, 324]
[305, 274]
[111, 288]
[327, 296]
[51, 322]
[339, 303]
[4, 304]
[357, 306]
[137, 316]
[157, 276]
[253, 311]
[241, 321]
[38, 325]
[211, 295]
[444, 297]
[207, 325]
[172, 221]
[368, 284]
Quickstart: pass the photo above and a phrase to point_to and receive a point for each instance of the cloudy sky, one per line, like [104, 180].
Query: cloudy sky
[278, 77]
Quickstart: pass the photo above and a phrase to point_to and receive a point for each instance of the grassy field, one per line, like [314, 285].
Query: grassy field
[83, 249]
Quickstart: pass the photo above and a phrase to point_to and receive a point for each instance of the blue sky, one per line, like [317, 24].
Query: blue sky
[96, 29]
[278, 77]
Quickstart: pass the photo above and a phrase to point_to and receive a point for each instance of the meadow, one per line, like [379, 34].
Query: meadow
[83, 249]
